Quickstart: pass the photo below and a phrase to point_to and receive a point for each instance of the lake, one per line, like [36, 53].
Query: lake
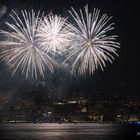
[67, 131]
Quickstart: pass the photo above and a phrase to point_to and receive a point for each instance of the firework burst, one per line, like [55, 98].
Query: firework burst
[22, 51]
[91, 45]
[54, 34]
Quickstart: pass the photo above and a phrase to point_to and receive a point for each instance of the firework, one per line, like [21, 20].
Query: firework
[22, 51]
[54, 34]
[91, 45]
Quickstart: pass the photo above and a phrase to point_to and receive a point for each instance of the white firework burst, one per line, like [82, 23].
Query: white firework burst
[92, 45]
[22, 51]
[54, 34]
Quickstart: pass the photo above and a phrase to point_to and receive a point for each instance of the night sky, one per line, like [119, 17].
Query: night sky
[126, 18]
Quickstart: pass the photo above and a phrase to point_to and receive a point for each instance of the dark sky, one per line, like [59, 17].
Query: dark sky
[126, 17]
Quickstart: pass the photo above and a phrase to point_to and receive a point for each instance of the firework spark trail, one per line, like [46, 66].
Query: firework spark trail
[54, 34]
[22, 51]
[34, 40]
[91, 45]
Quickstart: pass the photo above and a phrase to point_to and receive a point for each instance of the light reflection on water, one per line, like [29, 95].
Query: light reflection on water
[54, 131]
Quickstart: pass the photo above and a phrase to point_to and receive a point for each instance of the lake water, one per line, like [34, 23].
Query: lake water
[54, 131]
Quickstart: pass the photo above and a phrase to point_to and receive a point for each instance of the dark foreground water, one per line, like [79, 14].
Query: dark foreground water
[54, 131]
